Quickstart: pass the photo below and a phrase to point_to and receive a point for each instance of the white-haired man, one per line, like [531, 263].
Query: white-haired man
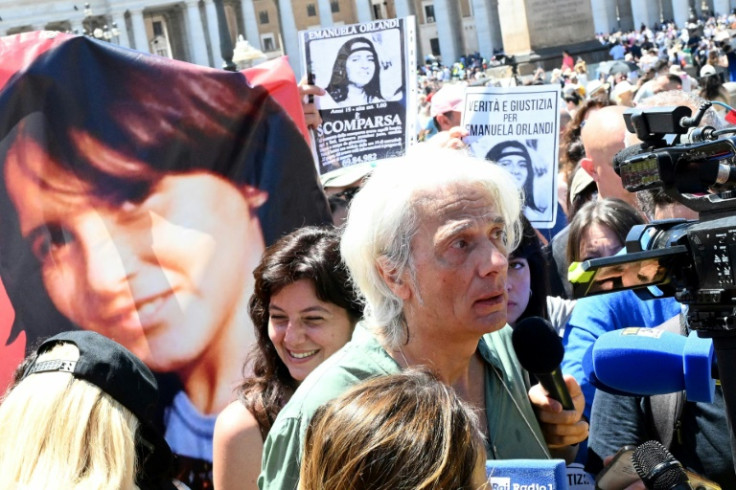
[426, 243]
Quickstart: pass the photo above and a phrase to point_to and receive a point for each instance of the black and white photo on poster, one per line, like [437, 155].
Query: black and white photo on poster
[517, 127]
[365, 70]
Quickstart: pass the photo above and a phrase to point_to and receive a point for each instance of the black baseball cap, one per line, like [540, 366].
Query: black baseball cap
[119, 373]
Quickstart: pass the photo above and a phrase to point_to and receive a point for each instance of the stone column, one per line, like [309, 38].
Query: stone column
[602, 21]
[140, 38]
[251, 24]
[119, 19]
[365, 12]
[404, 8]
[644, 13]
[722, 7]
[214, 54]
[197, 42]
[681, 10]
[289, 37]
[325, 13]
[449, 30]
[487, 26]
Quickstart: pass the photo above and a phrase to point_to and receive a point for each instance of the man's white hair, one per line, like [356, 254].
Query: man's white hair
[384, 217]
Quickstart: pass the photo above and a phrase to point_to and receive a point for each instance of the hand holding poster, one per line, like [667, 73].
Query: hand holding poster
[366, 71]
[517, 127]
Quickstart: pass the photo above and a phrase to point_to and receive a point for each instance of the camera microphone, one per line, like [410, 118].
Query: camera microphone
[652, 361]
[658, 469]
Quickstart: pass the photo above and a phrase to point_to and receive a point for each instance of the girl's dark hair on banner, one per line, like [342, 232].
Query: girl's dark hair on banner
[356, 65]
[514, 156]
[138, 195]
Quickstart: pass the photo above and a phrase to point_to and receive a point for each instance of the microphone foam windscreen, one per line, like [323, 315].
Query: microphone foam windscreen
[537, 345]
[648, 459]
[640, 361]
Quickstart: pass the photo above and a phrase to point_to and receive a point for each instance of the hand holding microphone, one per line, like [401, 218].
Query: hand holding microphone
[540, 351]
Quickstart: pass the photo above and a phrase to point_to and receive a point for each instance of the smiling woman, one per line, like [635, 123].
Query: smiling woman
[303, 309]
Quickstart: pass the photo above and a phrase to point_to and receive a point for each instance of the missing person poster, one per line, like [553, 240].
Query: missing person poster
[517, 127]
[366, 72]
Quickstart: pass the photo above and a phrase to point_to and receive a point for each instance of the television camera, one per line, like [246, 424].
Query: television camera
[695, 260]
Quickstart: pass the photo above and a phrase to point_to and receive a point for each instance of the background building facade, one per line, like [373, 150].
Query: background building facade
[189, 30]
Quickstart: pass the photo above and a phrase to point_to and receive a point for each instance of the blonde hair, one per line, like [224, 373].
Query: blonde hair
[59, 430]
[400, 431]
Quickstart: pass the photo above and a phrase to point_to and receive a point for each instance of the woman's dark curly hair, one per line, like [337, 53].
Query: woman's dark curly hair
[311, 253]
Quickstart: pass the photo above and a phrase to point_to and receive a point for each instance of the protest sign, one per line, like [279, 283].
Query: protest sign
[138, 194]
[517, 127]
[367, 72]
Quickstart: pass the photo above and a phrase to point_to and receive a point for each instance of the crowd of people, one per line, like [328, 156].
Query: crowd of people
[382, 354]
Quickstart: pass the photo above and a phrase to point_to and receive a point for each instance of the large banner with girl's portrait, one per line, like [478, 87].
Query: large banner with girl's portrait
[138, 194]
[518, 128]
[367, 73]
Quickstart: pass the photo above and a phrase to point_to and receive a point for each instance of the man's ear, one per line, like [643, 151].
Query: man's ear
[587, 165]
[443, 122]
[396, 282]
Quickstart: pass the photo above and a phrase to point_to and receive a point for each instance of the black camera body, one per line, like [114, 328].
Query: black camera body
[694, 261]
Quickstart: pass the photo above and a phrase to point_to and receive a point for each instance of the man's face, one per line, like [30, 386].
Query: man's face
[162, 273]
[603, 137]
[459, 257]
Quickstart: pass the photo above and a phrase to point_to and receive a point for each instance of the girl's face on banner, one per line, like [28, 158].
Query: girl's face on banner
[517, 166]
[360, 67]
[162, 274]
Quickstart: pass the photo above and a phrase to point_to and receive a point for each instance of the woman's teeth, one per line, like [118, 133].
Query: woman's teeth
[303, 354]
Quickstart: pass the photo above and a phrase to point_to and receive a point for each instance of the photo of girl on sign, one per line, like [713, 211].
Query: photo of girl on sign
[138, 195]
[356, 75]
[516, 158]
[364, 70]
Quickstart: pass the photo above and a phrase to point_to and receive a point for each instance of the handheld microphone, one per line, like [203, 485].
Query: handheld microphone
[652, 361]
[540, 351]
[658, 469]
